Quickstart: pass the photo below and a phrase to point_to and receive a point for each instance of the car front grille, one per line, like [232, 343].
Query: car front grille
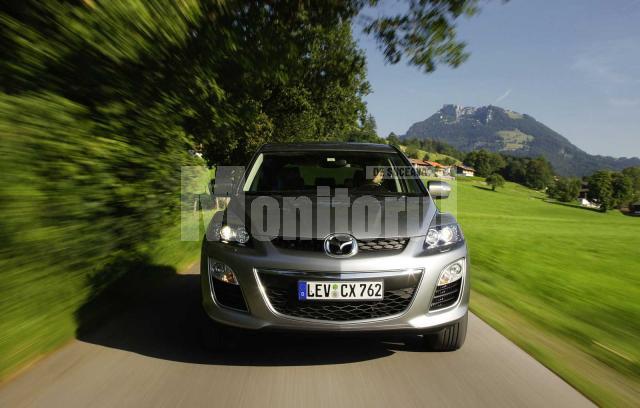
[317, 245]
[382, 244]
[446, 295]
[281, 292]
[314, 245]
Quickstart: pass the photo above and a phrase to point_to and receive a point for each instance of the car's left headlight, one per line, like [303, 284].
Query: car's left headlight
[443, 236]
[232, 233]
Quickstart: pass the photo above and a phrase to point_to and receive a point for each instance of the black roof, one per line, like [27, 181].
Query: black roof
[330, 146]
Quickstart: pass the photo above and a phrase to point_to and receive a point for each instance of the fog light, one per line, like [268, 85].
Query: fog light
[452, 273]
[222, 272]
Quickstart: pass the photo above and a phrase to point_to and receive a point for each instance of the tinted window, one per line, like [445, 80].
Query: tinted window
[305, 171]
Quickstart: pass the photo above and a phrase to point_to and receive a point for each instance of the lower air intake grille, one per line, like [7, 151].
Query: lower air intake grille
[394, 302]
[282, 294]
[446, 295]
[228, 295]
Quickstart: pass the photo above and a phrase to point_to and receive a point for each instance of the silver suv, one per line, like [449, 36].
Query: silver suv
[334, 237]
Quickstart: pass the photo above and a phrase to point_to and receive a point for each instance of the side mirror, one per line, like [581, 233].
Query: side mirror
[439, 189]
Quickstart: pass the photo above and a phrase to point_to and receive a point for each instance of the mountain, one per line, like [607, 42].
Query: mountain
[502, 130]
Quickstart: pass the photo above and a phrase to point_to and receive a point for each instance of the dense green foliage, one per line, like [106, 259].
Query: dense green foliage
[499, 130]
[565, 189]
[484, 162]
[534, 173]
[366, 132]
[613, 190]
[634, 174]
[393, 139]
[424, 33]
[538, 173]
[92, 145]
[567, 271]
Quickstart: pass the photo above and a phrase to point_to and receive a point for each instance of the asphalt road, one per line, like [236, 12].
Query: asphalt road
[151, 357]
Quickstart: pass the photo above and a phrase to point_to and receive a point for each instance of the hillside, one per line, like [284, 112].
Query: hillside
[433, 156]
[501, 130]
[572, 313]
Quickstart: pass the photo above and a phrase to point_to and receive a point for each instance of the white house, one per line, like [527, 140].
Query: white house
[462, 170]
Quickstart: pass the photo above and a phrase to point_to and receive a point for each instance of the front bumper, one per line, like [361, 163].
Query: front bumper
[250, 263]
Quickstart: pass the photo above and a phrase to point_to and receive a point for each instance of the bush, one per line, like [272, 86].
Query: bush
[495, 181]
[91, 152]
[73, 203]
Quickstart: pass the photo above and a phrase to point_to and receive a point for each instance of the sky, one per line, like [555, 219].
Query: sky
[574, 65]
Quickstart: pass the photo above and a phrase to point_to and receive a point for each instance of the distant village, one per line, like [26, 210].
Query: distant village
[429, 168]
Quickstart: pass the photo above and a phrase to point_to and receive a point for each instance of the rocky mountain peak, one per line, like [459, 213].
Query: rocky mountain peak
[497, 129]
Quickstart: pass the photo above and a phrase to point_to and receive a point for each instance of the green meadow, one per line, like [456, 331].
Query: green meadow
[560, 281]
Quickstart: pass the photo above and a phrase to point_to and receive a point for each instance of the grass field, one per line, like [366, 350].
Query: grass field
[562, 282]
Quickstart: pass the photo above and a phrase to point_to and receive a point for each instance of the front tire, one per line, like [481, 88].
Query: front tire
[449, 338]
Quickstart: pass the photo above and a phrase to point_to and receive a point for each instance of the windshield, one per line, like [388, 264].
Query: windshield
[359, 172]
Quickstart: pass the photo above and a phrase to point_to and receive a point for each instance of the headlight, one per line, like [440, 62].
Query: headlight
[222, 272]
[441, 236]
[231, 233]
[452, 272]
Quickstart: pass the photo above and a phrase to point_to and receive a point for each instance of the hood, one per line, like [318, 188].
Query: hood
[306, 217]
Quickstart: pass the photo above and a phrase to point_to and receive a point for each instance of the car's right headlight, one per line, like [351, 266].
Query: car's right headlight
[231, 233]
[443, 236]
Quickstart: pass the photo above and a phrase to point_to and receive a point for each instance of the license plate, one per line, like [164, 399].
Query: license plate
[341, 290]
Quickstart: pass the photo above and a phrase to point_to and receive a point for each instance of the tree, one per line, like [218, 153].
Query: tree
[495, 180]
[393, 139]
[516, 169]
[307, 86]
[413, 143]
[565, 189]
[425, 34]
[366, 132]
[601, 189]
[437, 146]
[412, 152]
[634, 174]
[622, 189]
[448, 161]
[539, 174]
[484, 162]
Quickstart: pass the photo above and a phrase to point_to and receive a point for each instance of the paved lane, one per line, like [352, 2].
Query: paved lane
[150, 357]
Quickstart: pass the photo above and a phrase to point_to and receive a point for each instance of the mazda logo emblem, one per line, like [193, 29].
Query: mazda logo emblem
[340, 245]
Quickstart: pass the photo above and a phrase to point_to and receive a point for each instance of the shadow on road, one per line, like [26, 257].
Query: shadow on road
[164, 323]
